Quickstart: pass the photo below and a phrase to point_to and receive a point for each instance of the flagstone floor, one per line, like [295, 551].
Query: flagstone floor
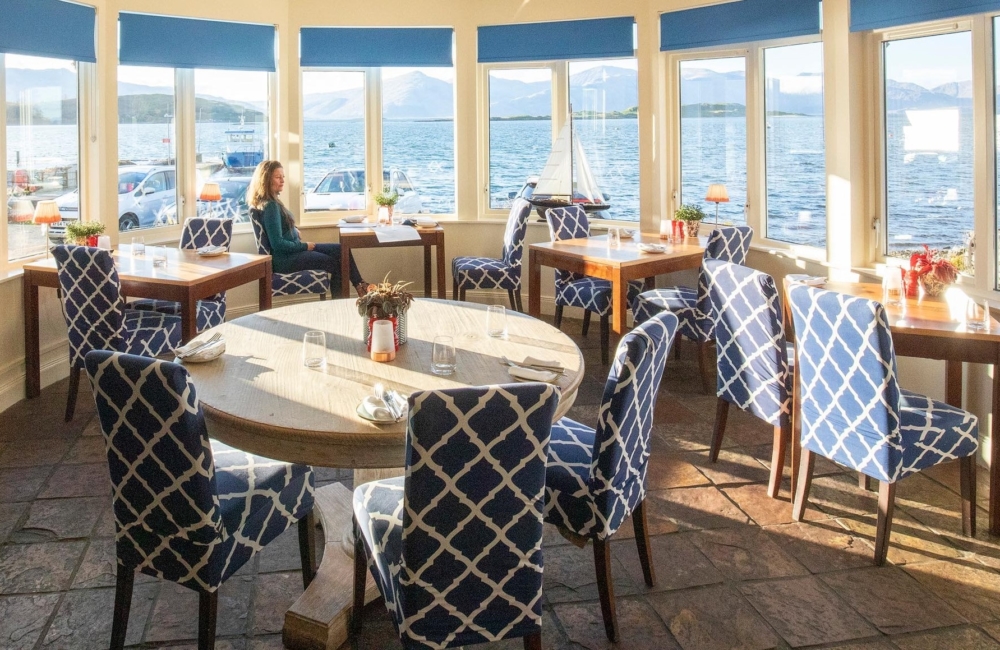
[733, 570]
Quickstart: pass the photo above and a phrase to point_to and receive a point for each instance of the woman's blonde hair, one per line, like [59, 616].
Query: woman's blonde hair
[259, 193]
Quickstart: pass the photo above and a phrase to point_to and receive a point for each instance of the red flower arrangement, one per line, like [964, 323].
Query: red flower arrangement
[934, 271]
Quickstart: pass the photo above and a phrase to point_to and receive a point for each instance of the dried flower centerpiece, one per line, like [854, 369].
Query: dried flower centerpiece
[386, 301]
[934, 271]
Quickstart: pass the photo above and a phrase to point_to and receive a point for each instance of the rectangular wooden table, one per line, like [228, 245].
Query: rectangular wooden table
[591, 256]
[930, 328]
[187, 278]
[351, 238]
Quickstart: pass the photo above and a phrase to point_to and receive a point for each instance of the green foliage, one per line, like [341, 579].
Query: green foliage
[386, 198]
[689, 212]
[385, 299]
[713, 110]
[77, 230]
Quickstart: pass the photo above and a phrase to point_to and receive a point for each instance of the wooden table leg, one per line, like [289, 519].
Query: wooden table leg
[953, 383]
[995, 452]
[264, 293]
[619, 302]
[32, 355]
[345, 269]
[189, 318]
[442, 288]
[427, 270]
[534, 285]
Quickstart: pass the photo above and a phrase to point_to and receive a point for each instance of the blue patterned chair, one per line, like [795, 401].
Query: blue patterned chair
[198, 232]
[576, 290]
[597, 478]
[488, 273]
[853, 411]
[752, 359]
[455, 546]
[187, 509]
[289, 284]
[692, 306]
[96, 316]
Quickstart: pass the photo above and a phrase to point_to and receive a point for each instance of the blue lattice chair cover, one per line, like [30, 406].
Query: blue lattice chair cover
[198, 232]
[455, 546]
[288, 284]
[187, 509]
[596, 478]
[852, 409]
[752, 358]
[504, 273]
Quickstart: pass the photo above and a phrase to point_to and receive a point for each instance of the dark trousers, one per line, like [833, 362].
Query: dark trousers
[325, 257]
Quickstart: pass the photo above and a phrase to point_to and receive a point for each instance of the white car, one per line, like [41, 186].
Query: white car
[345, 189]
[146, 193]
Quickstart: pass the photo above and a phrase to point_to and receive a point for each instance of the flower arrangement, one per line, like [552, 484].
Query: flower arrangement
[933, 270]
[385, 301]
[84, 233]
[386, 198]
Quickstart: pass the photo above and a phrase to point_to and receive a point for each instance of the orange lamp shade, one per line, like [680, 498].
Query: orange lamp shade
[717, 194]
[22, 211]
[46, 212]
[210, 192]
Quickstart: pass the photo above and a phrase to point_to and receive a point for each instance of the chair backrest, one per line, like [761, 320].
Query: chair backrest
[259, 234]
[202, 231]
[91, 300]
[625, 421]
[846, 367]
[160, 458]
[473, 508]
[750, 341]
[570, 222]
[729, 244]
[513, 237]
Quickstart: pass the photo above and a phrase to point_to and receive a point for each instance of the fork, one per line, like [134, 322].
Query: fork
[198, 348]
[515, 364]
[382, 394]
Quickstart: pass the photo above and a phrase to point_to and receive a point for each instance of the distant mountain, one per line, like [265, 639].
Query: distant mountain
[159, 109]
[901, 96]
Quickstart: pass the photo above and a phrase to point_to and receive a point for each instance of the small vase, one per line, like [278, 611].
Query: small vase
[691, 228]
[931, 284]
[92, 241]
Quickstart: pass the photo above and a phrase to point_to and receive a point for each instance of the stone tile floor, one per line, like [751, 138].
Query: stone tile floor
[733, 570]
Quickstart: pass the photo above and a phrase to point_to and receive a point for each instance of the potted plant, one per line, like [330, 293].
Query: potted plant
[84, 233]
[387, 199]
[386, 301]
[692, 216]
[933, 270]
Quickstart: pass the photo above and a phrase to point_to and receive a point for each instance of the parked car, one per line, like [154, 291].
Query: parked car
[345, 189]
[232, 206]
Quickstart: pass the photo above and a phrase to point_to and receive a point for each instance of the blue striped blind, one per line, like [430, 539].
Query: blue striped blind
[376, 47]
[879, 14]
[738, 22]
[600, 38]
[173, 42]
[50, 28]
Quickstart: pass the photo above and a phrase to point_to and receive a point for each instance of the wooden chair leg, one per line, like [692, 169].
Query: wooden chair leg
[886, 503]
[967, 470]
[454, 288]
[533, 641]
[208, 609]
[677, 347]
[605, 588]
[461, 294]
[806, 464]
[74, 388]
[360, 578]
[586, 323]
[864, 482]
[513, 301]
[707, 380]
[123, 603]
[642, 543]
[557, 320]
[307, 548]
[520, 307]
[323, 297]
[782, 435]
[721, 416]
[605, 338]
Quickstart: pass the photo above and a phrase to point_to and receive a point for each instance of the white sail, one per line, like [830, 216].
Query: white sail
[557, 177]
[585, 183]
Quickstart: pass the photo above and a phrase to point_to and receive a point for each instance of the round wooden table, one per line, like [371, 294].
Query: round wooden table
[259, 397]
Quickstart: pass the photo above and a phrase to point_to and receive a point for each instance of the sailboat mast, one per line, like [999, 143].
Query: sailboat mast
[571, 166]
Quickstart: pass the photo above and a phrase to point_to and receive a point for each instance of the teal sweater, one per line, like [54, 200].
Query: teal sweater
[284, 240]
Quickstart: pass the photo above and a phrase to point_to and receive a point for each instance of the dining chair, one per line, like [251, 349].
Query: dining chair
[693, 306]
[852, 410]
[198, 232]
[596, 478]
[187, 509]
[288, 284]
[753, 372]
[504, 273]
[96, 316]
[577, 290]
[455, 545]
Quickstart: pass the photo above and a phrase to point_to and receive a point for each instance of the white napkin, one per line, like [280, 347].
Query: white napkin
[376, 409]
[532, 361]
[396, 233]
[426, 222]
[211, 250]
[527, 374]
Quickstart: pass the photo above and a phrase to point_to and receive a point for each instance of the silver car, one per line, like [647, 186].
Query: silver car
[345, 189]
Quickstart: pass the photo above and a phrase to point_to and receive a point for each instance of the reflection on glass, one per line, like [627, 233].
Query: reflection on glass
[928, 145]
[795, 149]
[714, 134]
[43, 151]
[418, 138]
[333, 140]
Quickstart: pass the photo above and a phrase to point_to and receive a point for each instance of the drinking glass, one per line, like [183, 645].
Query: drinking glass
[314, 350]
[892, 287]
[496, 321]
[138, 246]
[443, 355]
[159, 255]
[614, 238]
[977, 316]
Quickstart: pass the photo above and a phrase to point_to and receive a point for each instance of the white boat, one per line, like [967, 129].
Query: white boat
[558, 186]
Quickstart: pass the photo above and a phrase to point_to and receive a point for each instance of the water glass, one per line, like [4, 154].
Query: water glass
[614, 238]
[314, 350]
[159, 255]
[977, 316]
[496, 321]
[892, 286]
[443, 355]
[138, 246]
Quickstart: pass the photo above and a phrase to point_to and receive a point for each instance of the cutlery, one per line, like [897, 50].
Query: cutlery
[198, 348]
[514, 364]
[390, 404]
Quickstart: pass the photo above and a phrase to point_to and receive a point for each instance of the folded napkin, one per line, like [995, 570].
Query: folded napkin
[211, 250]
[545, 363]
[426, 222]
[527, 374]
[808, 280]
[376, 409]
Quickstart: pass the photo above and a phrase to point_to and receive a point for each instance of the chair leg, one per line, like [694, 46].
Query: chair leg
[513, 301]
[74, 388]
[967, 467]
[677, 347]
[557, 320]
[323, 297]
[782, 436]
[642, 543]
[520, 307]
[533, 641]
[307, 548]
[454, 288]
[360, 578]
[705, 366]
[605, 338]
[208, 609]
[806, 464]
[586, 323]
[864, 482]
[721, 416]
[123, 602]
[886, 502]
[605, 588]
[461, 294]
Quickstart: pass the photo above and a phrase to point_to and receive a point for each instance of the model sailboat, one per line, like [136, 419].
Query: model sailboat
[556, 187]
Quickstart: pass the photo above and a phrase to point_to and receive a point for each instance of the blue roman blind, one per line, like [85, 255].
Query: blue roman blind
[878, 14]
[739, 22]
[375, 47]
[600, 38]
[173, 42]
[51, 28]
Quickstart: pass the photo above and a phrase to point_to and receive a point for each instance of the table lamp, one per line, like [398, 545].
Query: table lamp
[717, 194]
[22, 211]
[46, 212]
[210, 192]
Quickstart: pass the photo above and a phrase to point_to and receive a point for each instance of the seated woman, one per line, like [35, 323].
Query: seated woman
[288, 252]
